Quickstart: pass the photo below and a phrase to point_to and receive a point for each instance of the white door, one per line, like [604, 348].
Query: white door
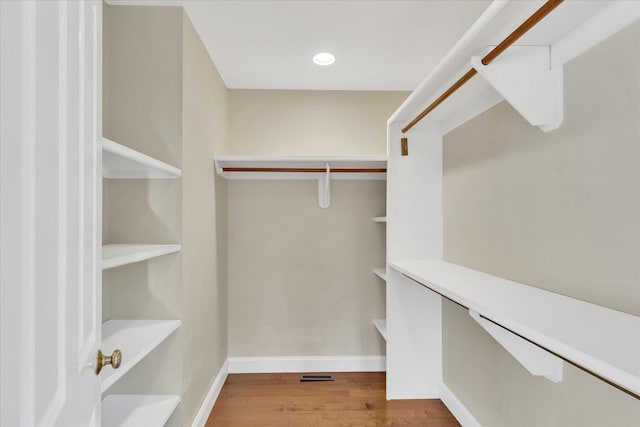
[50, 207]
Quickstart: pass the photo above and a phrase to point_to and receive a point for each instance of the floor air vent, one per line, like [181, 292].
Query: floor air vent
[316, 378]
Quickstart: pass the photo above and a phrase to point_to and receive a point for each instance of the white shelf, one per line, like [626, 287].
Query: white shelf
[598, 339]
[120, 162]
[381, 273]
[115, 255]
[381, 326]
[137, 410]
[136, 339]
[379, 219]
[223, 163]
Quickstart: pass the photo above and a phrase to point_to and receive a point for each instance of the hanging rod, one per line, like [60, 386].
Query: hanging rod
[546, 9]
[307, 170]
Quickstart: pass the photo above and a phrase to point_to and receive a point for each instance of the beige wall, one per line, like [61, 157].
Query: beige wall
[204, 263]
[300, 280]
[559, 211]
[297, 122]
[166, 99]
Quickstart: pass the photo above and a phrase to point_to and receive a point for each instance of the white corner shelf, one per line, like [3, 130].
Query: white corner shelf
[138, 410]
[136, 339]
[603, 341]
[230, 167]
[381, 326]
[379, 219]
[381, 273]
[120, 162]
[115, 255]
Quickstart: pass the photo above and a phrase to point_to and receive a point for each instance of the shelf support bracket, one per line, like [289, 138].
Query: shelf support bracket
[523, 76]
[537, 361]
[324, 189]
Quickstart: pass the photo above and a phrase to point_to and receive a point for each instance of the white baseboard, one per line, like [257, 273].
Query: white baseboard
[457, 408]
[212, 396]
[254, 365]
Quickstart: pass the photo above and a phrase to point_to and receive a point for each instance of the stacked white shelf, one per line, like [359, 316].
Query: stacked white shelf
[120, 162]
[135, 338]
[137, 410]
[381, 272]
[116, 255]
[381, 326]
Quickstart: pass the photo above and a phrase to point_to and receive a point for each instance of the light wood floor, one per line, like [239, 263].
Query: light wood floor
[353, 399]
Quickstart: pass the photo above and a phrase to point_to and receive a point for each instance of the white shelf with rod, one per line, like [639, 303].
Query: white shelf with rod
[136, 339]
[381, 273]
[301, 167]
[115, 255]
[381, 326]
[528, 75]
[322, 169]
[120, 162]
[379, 219]
[597, 339]
[465, 83]
[138, 410]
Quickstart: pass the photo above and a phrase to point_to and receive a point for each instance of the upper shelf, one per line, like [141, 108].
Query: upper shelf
[569, 30]
[381, 273]
[120, 162]
[115, 255]
[301, 167]
[381, 326]
[598, 339]
[139, 410]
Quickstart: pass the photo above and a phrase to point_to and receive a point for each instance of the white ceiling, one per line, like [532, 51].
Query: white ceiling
[379, 45]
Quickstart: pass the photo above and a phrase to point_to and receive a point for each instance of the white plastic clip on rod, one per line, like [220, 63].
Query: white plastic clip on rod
[324, 189]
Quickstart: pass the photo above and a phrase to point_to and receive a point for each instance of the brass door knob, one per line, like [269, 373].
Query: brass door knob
[114, 360]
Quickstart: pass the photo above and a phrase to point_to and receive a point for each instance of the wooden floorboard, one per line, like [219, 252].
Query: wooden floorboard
[353, 399]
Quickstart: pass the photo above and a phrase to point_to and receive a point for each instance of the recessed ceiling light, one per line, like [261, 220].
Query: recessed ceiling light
[324, 58]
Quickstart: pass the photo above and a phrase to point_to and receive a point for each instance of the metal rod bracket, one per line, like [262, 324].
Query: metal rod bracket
[404, 145]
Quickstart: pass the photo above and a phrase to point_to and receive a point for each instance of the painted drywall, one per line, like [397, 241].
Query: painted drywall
[296, 122]
[300, 280]
[204, 244]
[559, 211]
[167, 100]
